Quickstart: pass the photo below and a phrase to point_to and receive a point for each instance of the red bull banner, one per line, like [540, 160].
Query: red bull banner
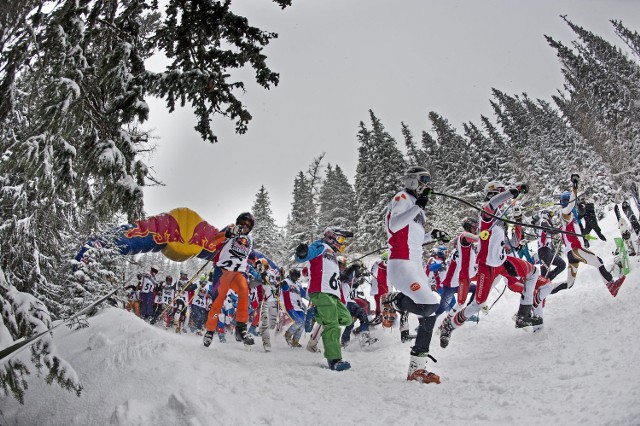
[179, 234]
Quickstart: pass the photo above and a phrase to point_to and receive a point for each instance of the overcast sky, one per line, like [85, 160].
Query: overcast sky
[338, 59]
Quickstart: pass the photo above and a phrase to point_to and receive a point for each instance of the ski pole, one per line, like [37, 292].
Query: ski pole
[17, 347]
[555, 254]
[544, 228]
[365, 255]
[183, 289]
[496, 301]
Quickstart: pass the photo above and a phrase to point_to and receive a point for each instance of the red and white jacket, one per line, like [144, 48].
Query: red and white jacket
[462, 261]
[404, 222]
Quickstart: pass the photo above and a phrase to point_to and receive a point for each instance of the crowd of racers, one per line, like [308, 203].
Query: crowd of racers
[325, 296]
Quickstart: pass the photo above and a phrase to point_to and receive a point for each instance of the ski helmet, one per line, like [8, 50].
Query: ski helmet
[294, 274]
[441, 252]
[416, 178]
[168, 278]
[262, 265]
[564, 198]
[154, 270]
[547, 213]
[493, 188]
[470, 224]
[246, 220]
[336, 237]
[535, 219]
[384, 255]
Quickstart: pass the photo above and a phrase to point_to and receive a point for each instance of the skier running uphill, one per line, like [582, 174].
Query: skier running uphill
[324, 290]
[576, 252]
[493, 262]
[233, 262]
[404, 222]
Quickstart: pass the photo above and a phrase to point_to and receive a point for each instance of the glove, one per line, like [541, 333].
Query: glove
[231, 231]
[575, 178]
[437, 234]
[302, 250]
[423, 197]
[522, 187]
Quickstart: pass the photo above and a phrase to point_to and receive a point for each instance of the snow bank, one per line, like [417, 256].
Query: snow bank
[581, 369]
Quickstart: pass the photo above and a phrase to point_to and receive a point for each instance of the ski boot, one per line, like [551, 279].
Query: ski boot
[242, 335]
[421, 374]
[366, 339]
[253, 330]
[266, 344]
[288, 337]
[295, 343]
[614, 285]
[524, 318]
[446, 328]
[208, 337]
[338, 364]
[313, 347]
[344, 343]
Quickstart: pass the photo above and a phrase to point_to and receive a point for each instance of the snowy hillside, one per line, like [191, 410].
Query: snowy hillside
[581, 369]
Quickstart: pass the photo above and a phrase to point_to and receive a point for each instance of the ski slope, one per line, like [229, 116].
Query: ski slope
[582, 368]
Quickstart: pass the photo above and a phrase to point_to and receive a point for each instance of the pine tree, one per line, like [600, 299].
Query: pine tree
[336, 201]
[378, 173]
[601, 89]
[73, 84]
[301, 225]
[267, 237]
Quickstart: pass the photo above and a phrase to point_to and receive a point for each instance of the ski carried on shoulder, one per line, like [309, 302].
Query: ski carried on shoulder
[628, 211]
[623, 257]
[624, 245]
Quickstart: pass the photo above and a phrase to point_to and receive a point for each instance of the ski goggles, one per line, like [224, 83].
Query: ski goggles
[341, 239]
[424, 179]
[244, 227]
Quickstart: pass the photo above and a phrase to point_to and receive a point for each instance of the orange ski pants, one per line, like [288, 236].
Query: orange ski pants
[230, 280]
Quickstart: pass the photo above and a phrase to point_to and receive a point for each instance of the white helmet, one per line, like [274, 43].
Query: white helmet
[416, 177]
[493, 188]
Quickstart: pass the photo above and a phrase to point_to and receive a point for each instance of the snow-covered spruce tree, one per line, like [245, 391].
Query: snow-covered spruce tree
[548, 150]
[268, 238]
[24, 315]
[378, 177]
[601, 89]
[427, 156]
[336, 200]
[415, 155]
[72, 90]
[499, 166]
[301, 226]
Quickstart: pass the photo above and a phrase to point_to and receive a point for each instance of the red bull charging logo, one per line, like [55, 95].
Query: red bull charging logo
[182, 232]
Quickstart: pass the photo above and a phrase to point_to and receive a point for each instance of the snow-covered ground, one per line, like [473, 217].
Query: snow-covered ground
[581, 369]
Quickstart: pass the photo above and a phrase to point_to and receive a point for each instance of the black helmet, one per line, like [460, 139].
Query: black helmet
[247, 220]
[470, 224]
[336, 237]
[294, 274]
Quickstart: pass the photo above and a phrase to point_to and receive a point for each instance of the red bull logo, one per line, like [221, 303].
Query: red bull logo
[204, 236]
[164, 228]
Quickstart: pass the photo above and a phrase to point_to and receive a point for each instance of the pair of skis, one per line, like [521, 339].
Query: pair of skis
[624, 245]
